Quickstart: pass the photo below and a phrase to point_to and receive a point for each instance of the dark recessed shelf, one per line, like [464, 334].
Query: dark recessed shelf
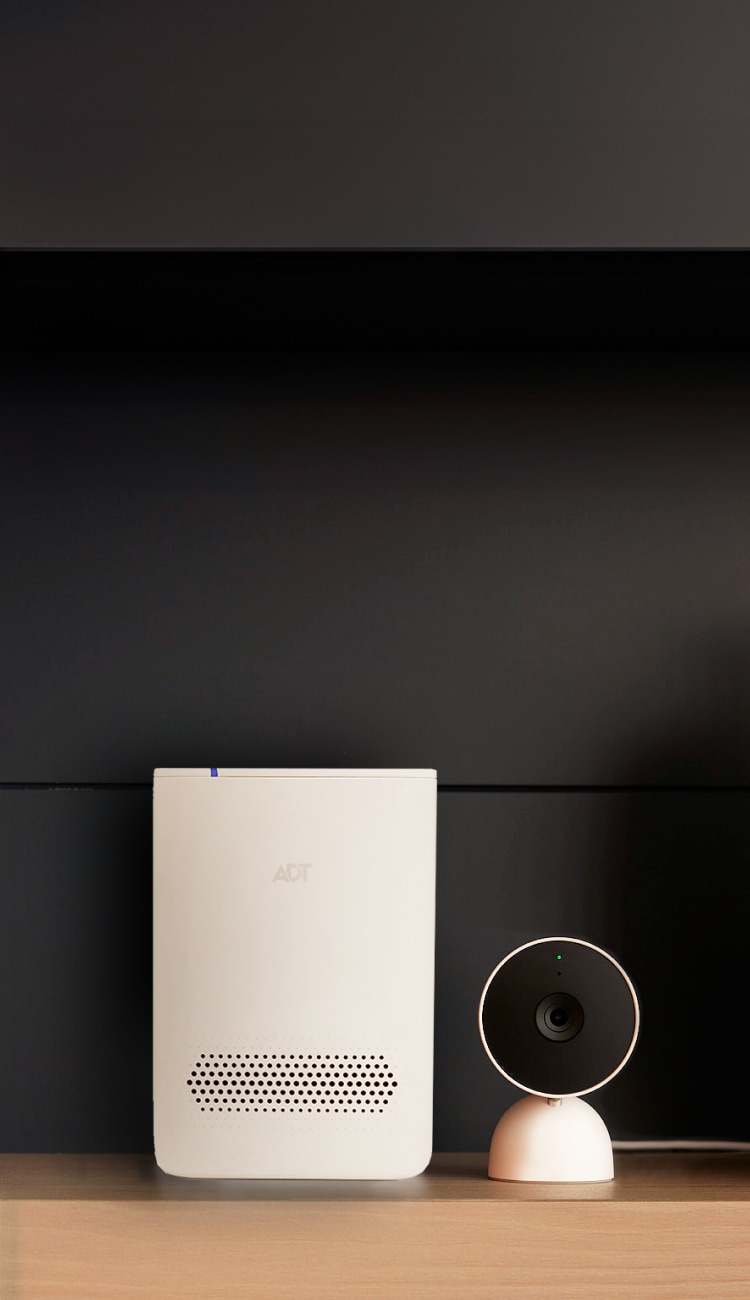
[376, 299]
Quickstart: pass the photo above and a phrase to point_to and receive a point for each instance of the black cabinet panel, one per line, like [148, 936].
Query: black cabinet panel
[508, 184]
[662, 880]
[75, 956]
[659, 879]
[516, 570]
[290, 124]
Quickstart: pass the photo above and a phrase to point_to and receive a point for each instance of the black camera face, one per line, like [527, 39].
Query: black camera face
[558, 1017]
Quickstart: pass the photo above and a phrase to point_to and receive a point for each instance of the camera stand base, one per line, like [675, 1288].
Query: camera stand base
[555, 1140]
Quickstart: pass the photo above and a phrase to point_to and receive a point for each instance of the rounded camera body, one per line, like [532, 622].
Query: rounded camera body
[558, 1017]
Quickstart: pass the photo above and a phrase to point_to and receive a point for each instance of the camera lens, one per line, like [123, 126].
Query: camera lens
[559, 1017]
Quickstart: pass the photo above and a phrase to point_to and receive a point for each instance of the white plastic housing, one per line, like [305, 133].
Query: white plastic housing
[294, 934]
[557, 1141]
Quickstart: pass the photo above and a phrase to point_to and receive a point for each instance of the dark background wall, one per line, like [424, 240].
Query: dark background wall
[464, 123]
[488, 515]
[530, 570]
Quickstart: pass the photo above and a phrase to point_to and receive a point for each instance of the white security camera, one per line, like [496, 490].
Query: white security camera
[558, 1018]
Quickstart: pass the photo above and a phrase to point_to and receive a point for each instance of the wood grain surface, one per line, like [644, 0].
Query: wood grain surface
[79, 1228]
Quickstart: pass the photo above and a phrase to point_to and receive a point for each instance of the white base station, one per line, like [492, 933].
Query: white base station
[551, 1141]
[294, 953]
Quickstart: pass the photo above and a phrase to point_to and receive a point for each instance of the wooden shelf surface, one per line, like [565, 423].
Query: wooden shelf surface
[640, 1176]
[80, 1227]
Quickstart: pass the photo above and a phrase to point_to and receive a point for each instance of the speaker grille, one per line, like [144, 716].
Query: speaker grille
[291, 1083]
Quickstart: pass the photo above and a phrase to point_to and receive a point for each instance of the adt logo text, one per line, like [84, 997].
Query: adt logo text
[293, 871]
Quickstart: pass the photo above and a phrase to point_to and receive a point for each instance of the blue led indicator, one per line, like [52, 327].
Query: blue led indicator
[214, 771]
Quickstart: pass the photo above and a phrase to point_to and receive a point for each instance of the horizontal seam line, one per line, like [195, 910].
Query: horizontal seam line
[656, 788]
[75, 785]
[474, 788]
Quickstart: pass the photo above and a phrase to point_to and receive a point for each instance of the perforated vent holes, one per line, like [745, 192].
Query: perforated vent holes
[292, 1084]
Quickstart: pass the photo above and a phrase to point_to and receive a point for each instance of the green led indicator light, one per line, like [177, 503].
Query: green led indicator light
[559, 956]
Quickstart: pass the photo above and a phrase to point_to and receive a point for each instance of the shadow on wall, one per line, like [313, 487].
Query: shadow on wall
[512, 866]
[683, 859]
[75, 967]
[660, 877]
[685, 864]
